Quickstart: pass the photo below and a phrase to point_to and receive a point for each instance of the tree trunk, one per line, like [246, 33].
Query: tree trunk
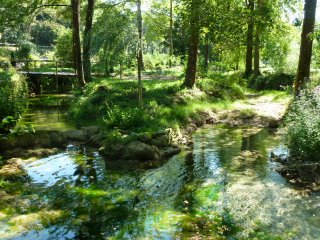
[191, 72]
[206, 54]
[303, 72]
[76, 41]
[256, 57]
[87, 41]
[250, 31]
[140, 56]
[171, 34]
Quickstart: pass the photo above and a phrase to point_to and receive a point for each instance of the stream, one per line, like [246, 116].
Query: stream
[47, 112]
[226, 188]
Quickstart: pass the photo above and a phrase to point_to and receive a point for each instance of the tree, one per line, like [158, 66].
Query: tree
[249, 42]
[194, 34]
[303, 72]
[116, 44]
[139, 56]
[171, 34]
[258, 28]
[75, 5]
[87, 39]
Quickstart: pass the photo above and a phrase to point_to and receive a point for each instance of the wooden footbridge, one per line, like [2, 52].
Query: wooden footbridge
[37, 71]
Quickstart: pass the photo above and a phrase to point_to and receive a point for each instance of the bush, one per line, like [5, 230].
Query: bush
[125, 118]
[223, 86]
[155, 61]
[278, 81]
[13, 93]
[26, 50]
[303, 127]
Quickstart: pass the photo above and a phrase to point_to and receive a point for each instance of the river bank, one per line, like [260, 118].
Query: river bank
[133, 145]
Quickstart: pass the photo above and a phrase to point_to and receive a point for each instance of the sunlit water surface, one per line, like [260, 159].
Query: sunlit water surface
[226, 189]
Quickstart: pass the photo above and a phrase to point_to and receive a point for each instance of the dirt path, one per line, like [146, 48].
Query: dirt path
[267, 106]
[257, 110]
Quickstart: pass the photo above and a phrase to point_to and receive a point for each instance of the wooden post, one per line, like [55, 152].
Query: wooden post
[57, 83]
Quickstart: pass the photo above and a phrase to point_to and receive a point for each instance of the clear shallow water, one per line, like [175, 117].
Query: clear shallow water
[225, 189]
[47, 112]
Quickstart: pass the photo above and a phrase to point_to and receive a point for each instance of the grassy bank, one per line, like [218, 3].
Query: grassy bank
[112, 104]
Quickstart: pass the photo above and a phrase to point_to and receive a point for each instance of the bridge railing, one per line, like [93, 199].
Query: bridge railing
[40, 65]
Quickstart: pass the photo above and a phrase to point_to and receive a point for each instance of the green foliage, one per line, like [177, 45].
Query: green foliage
[63, 48]
[13, 94]
[224, 86]
[276, 47]
[7, 123]
[115, 44]
[277, 81]
[124, 118]
[155, 61]
[46, 28]
[26, 50]
[303, 127]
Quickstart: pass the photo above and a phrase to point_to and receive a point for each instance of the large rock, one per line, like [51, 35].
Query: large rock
[28, 153]
[77, 135]
[58, 139]
[161, 141]
[140, 151]
[97, 139]
[169, 152]
[12, 170]
[91, 131]
[40, 139]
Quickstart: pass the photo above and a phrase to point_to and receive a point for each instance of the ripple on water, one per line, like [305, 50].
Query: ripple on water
[226, 188]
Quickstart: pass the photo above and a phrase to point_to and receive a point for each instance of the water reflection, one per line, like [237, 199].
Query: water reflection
[225, 189]
[47, 112]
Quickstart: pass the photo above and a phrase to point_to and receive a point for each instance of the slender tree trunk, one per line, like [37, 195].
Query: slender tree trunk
[87, 38]
[256, 57]
[303, 72]
[191, 72]
[76, 41]
[171, 34]
[250, 31]
[140, 56]
[206, 54]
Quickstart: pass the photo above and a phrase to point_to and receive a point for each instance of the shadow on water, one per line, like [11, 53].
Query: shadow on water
[225, 189]
[47, 112]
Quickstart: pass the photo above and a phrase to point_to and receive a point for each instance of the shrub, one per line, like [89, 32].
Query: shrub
[82, 111]
[125, 118]
[155, 61]
[278, 81]
[223, 86]
[26, 50]
[13, 93]
[303, 127]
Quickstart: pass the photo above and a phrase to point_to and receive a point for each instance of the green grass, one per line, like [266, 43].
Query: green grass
[165, 104]
[113, 104]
